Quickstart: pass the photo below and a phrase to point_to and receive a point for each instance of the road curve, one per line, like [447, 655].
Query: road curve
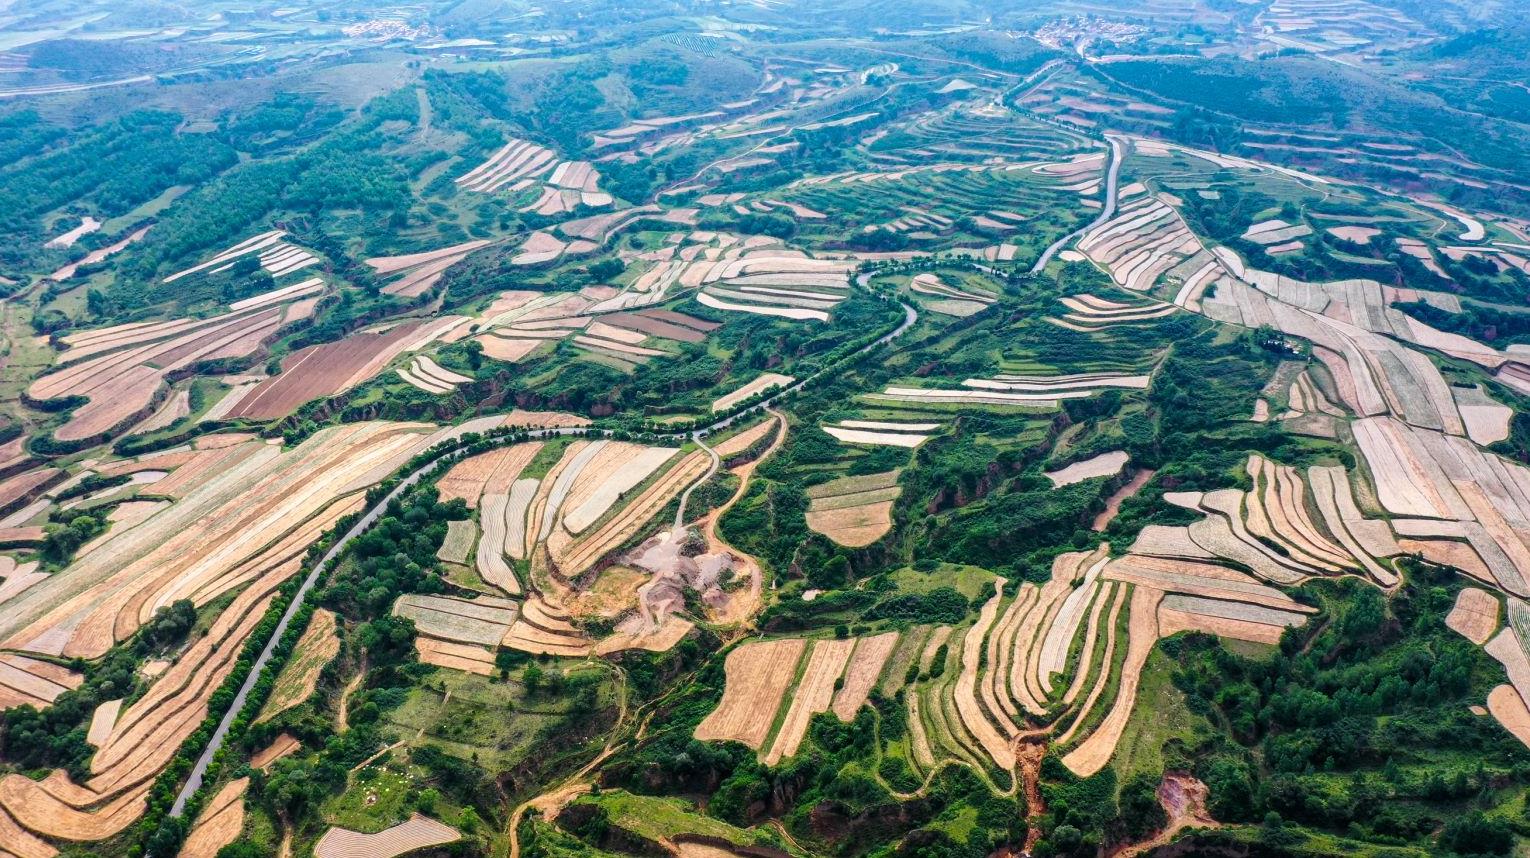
[199, 770]
[1107, 211]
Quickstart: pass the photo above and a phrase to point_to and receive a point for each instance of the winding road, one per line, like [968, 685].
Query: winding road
[1107, 211]
[199, 770]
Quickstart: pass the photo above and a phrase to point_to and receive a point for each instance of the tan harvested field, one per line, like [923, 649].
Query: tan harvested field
[317, 646]
[282, 746]
[490, 557]
[417, 832]
[758, 674]
[813, 694]
[102, 721]
[145, 737]
[18, 490]
[22, 843]
[1508, 709]
[1108, 596]
[120, 385]
[506, 349]
[1093, 753]
[995, 743]
[174, 408]
[1103, 465]
[655, 327]
[1474, 616]
[599, 541]
[469, 478]
[219, 823]
[853, 526]
[861, 676]
[763, 382]
[924, 756]
[613, 477]
[1195, 578]
[458, 542]
[853, 485]
[484, 620]
[867, 436]
[251, 521]
[32, 682]
[457, 656]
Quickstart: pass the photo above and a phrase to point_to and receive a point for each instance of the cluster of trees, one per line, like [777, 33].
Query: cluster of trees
[1358, 724]
[55, 737]
[111, 168]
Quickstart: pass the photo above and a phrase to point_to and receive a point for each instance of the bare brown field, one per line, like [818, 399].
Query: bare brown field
[325, 370]
[464, 657]
[1508, 709]
[855, 526]
[758, 674]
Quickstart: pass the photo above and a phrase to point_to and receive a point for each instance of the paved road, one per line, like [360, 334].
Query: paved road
[1112, 175]
[199, 770]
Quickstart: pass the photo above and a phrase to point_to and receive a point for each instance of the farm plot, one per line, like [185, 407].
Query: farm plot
[1474, 615]
[939, 205]
[941, 297]
[520, 166]
[120, 371]
[249, 521]
[298, 678]
[418, 273]
[460, 536]
[276, 256]
[543, 629]
[431, 377]
[762, 383]
[583, 551]
[774, 688]
[813, 693]
[324, 370]
[854, 511]
[1147, 240]
[486, 473]
[1433, 476]
[861, 675]
[1088, 313]
[882, 432]
[418, 832]
[219, 823]
[485, 620]
[1103, 465]
[33, 682]
[144, 738]
[758, 674]
[772, 281]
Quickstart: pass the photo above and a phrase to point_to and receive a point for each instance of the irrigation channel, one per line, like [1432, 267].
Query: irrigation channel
[199, 770]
